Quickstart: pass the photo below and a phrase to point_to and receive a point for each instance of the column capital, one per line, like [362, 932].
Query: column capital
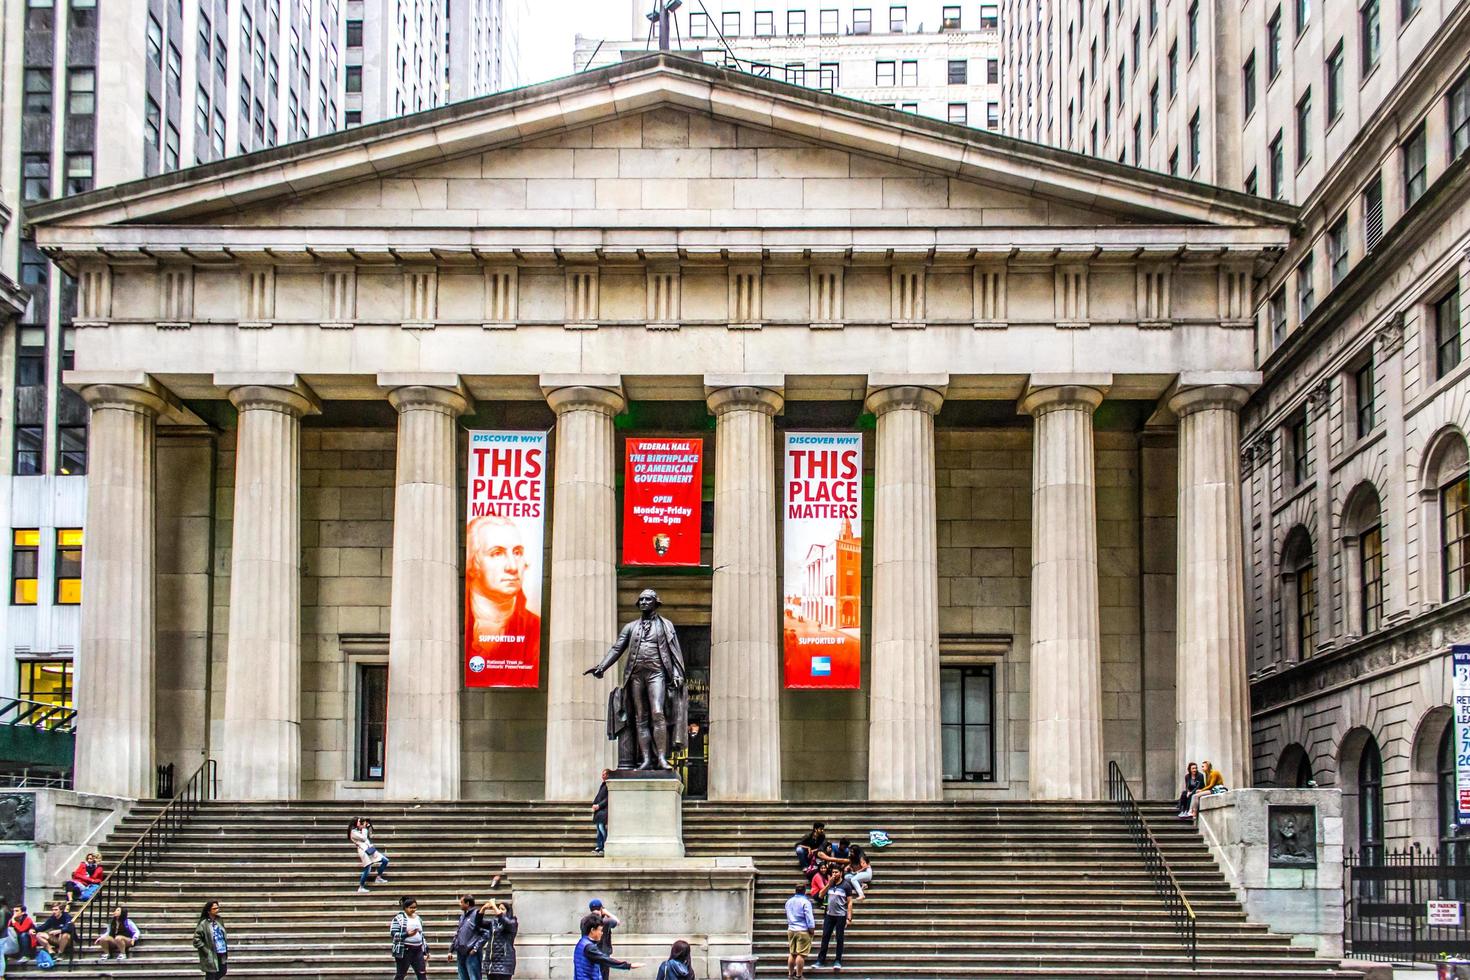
[1039, 401]
[744, 398]
[1187, 401]
[294, 401]
[146, 397]
[585, 398]
[914, 397]
[453, 401]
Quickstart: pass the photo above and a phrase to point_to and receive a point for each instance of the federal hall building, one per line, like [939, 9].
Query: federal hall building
[1047, 356]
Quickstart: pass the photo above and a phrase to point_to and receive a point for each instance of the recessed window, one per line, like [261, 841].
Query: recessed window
[989, 16]
[1334, 84]
[46, 682]
[1273, 46]
[1174, 162]
[353, 78]
[898, 19]
[1173, 69]
[886, 74]
[992, 115]
[1153, 109]
[81, 92]
[1416, 166]
[1304, 128]
[354, 31]
[1303, 16]
[1446, 316]
[1276, 167]
[796, 23]
[1454, 506]
[78, 173]
[35, 172]
[992, 71]
[1407, 9]
[1306, 291]
[909, 73]
[1370, 571]
[25, 562]
[698, 25]
[862, 21]
[967, 722]
[1370, 36]
[730, 23]
[1191, 29]
[959, 112]
[372, 722]
[1194, 142]
[765, 23]
[949, 19]
[37, 98]
[1299, 595]
[1373, 213]
[1138, 141]
[1276, 310]
[68, 566]
[959, 72]
[155, 41]
[827, 22]
[1365, 398]
[1253, 182]
[1248, 85]
[1299, 448]
[71, 445]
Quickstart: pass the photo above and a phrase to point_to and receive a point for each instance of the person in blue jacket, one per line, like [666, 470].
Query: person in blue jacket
[588, 959]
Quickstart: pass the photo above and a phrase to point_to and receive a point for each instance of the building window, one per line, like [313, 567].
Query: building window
[78, 173]
[992, 115]
[897, 19]
[765, 23]
[910, 107]
[730, 23]
[1304, 128]
[372, 722]
[1248, 85]
[698, 25]
[1306, 290]
[885, 73]
[827, 22]
[1253, 182]
[862, 21]
[1370, 569]
[1153, 15]
[1276, 168]
[992, 71]
[352, 117]
[1191, 30]
[1173, 69]
[68, 566]
[1373, 214]
[967, 722]
[1276, 310]
[35, 172]
[959, 72]
[1459, 112]
[354, 78]
[1370, 35]
[1299, 448]
[1447, 333]
[796, 23]
[959, 112]
[1153, 109]
[1174, 162]
[37, 97]
[81, 92]
[46, 682]
[155, 41]
[1299, 595]
[354, 32]
[1273, 46]
[1370, 804]
[1454, 508]
[1363, 398]
[72, 449]
[1337, 248]
[949, 19]
[25, 560]
[1194, 142]
[1334, 84]
[1416, 166]
[909, 73]
[1407, 9]
[989, 16]
[1303, 15]
[1138, 141]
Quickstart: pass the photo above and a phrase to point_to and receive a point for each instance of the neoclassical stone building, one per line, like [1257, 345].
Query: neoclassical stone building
[1047, 355]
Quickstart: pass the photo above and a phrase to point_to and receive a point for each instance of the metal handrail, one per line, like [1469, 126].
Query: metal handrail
[1166, 886]
[37, 714]
[135, 862]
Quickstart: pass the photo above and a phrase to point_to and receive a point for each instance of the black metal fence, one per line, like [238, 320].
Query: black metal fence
[1386, 901]
[135, 864]
[1166, 886]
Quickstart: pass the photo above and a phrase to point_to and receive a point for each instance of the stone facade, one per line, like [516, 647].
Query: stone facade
[665, 247]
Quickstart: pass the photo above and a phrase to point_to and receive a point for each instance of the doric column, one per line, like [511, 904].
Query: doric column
[261, 755]
[745, 689]
[114, 745]
[583, 582]
[904, 760]
[1213, 699]
[425, 642]
[1066, 657]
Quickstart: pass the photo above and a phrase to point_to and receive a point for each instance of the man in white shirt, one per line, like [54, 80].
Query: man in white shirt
[799, 926]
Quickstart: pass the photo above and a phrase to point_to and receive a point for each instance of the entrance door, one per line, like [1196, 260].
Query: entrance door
[694, 766]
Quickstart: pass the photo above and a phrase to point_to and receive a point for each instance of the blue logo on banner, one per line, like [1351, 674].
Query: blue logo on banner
[821, 666]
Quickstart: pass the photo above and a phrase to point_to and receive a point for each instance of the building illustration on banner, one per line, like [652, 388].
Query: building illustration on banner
[822, 611]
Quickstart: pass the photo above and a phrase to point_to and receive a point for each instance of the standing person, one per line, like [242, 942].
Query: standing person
[1193, 783]
[86, 879]
[800, 924]
[374, 861]
[211, 943]
[834, 920]
[811, 845]
[609, 923]
[678, 966]
[588, 959]
[58, 933]
[501, 964]
[118, 936]
[599, 813]
[469, 938]
[410, 947]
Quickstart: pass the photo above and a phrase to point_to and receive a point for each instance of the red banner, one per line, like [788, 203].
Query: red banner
[662, 482]
[506, 519]
[821, 624]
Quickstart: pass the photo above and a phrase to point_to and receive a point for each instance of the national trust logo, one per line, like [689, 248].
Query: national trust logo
[477, 664]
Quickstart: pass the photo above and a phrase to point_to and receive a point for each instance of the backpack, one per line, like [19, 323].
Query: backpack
[44, 960]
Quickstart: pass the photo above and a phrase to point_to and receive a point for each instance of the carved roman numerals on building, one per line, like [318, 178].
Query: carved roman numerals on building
[582, 308]
[1155, 297]
[745, 298]
[420, 299]
[826, 291]
[663, 299]
[339, 299]
[990, 297]
[1071, 296]
[257, 296]
[502, 301]
[906, 297]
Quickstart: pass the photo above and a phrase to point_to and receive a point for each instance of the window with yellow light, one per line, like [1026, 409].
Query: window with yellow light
[68, 566]
[25, 555]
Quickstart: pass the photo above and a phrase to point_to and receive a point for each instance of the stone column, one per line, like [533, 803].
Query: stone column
[426, 640]
[904, 757]
[114, 744]
[745, 686]
[1212, 698]
[261, 755]
[584, 584]
[1066, 657]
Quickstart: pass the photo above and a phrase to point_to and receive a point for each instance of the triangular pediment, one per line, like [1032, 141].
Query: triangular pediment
[665, 142]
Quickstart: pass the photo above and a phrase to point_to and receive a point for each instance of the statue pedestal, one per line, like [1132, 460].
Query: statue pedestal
[645, 815]
[708, 902]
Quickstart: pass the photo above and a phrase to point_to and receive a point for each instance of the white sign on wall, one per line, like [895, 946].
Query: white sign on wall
[1444, 913]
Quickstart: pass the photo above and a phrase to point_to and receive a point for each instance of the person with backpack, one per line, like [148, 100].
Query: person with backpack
[588, 959]
[374, 861]
[211, 943]
[470, 936]
[501, 961]
[678, 965]
[410, 947]
[58, 933]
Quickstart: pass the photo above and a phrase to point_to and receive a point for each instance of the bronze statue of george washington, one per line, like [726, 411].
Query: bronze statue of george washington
[651, 706]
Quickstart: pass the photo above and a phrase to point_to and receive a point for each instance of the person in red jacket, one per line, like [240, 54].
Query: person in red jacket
[25, 932]
[86, 879]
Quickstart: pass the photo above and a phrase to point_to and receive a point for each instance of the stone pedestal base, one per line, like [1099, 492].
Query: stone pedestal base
[707, 902]
[645, 816]
[1281, 850]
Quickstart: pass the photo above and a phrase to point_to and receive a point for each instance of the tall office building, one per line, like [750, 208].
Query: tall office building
[927, 57]
[484, 49]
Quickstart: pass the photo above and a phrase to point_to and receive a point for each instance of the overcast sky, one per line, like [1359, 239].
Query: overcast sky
[546, 42]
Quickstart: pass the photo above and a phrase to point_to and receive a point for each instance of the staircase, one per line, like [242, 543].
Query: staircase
[967, 890]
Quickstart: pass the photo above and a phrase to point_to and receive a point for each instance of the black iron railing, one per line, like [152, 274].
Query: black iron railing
[1166, 886]
[136, 862]
[1387, 896]
[37, 714]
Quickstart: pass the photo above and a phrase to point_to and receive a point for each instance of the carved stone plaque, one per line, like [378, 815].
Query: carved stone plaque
[1292, 832]
[17, 816]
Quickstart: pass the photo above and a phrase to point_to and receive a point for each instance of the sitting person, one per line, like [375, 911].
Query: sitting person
[812, 844]
[1193, 783]
[86, 879]
[1214, 783]
[24, 928]
[837, 853]
[859, 872]
[58, 933]
[118, 936]
[817, 883]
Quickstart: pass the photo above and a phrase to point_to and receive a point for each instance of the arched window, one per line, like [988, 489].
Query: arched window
[1453, 849]
[1370, 803]
[1299, 595]
[1444, 496]
[1294, 768]
[1362, 545]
